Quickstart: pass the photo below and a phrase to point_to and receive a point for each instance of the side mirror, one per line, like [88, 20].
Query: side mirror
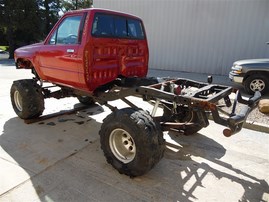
[209, 79]
[267, 42]
[52, 41]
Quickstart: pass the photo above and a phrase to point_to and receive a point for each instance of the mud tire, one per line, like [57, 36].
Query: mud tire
[146, 135]
[27, 98]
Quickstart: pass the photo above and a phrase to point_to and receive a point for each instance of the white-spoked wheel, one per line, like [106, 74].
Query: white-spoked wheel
[257, 85]
[18, 100]
[132, 141]
[122, 145]
[257, 82]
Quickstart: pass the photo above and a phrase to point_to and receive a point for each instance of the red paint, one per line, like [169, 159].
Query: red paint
[91, 63]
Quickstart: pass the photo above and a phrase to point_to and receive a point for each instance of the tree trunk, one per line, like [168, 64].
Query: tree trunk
[47, 15]
[11, 43]
[10, 39]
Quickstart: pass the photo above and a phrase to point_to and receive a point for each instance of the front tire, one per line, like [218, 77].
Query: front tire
[256, 82]
[27, 98]
[131, 141]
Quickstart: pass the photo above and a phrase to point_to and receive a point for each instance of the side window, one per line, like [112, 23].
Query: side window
[53, 38]
[103, 25]
[67, 32]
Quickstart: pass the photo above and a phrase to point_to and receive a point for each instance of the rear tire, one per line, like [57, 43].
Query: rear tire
[131, 141]
[86, 100]
[27, 98]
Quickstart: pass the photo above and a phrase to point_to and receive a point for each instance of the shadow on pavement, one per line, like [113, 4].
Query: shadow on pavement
[37, 147]
[64, 162]
[206, 148]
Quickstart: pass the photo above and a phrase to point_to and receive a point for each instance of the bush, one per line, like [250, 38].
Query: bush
[4, 48]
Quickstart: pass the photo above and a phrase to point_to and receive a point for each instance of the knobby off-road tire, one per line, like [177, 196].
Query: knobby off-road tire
[86, 100]
[131, 141]
[27, 98]
[257, 82]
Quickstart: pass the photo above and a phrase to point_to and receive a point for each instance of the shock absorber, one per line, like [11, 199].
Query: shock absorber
[154, 110]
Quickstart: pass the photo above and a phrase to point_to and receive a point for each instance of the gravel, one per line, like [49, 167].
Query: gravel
[257, 117]
[254, 117]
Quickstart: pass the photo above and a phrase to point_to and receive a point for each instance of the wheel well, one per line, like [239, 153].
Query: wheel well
[24, 63]
[250, 73]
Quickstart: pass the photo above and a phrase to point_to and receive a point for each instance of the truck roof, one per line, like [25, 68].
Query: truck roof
[103, 10]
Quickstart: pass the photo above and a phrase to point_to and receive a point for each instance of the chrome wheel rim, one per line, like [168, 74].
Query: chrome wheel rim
[257, 85]
[122, 145]
[18, 100]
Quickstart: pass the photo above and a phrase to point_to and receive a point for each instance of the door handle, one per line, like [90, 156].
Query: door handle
[70, 50]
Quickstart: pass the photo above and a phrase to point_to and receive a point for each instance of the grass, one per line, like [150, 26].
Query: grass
[4, 48]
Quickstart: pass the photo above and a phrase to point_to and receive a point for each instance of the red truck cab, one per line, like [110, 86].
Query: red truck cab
[89, 48]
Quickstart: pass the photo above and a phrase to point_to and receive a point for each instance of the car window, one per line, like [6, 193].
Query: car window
[106, 25]
[103, 25]
[67, 32]
[135, 29]
[120, 27]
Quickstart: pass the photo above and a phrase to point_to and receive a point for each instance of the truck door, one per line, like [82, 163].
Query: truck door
[59, 58]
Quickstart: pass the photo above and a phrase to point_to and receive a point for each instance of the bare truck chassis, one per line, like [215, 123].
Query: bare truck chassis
[199, 98]
[132, 139]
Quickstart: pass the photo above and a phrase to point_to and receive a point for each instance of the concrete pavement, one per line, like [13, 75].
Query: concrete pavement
[59, 159]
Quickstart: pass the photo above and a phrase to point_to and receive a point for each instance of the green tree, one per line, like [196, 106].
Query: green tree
[3, 38]
[49, 13]
[27, 21]
[75, 4]
[20, 22]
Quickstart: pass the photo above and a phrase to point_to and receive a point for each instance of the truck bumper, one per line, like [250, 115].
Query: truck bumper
[236, 78]
[235, 121]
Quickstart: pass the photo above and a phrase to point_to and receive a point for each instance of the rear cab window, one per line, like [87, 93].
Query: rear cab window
[108, 25]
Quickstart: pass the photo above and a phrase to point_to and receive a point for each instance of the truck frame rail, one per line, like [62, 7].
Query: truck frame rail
[195, 97]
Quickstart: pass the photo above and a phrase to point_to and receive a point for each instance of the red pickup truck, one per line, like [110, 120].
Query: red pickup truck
[100, 55]
[89, 48]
